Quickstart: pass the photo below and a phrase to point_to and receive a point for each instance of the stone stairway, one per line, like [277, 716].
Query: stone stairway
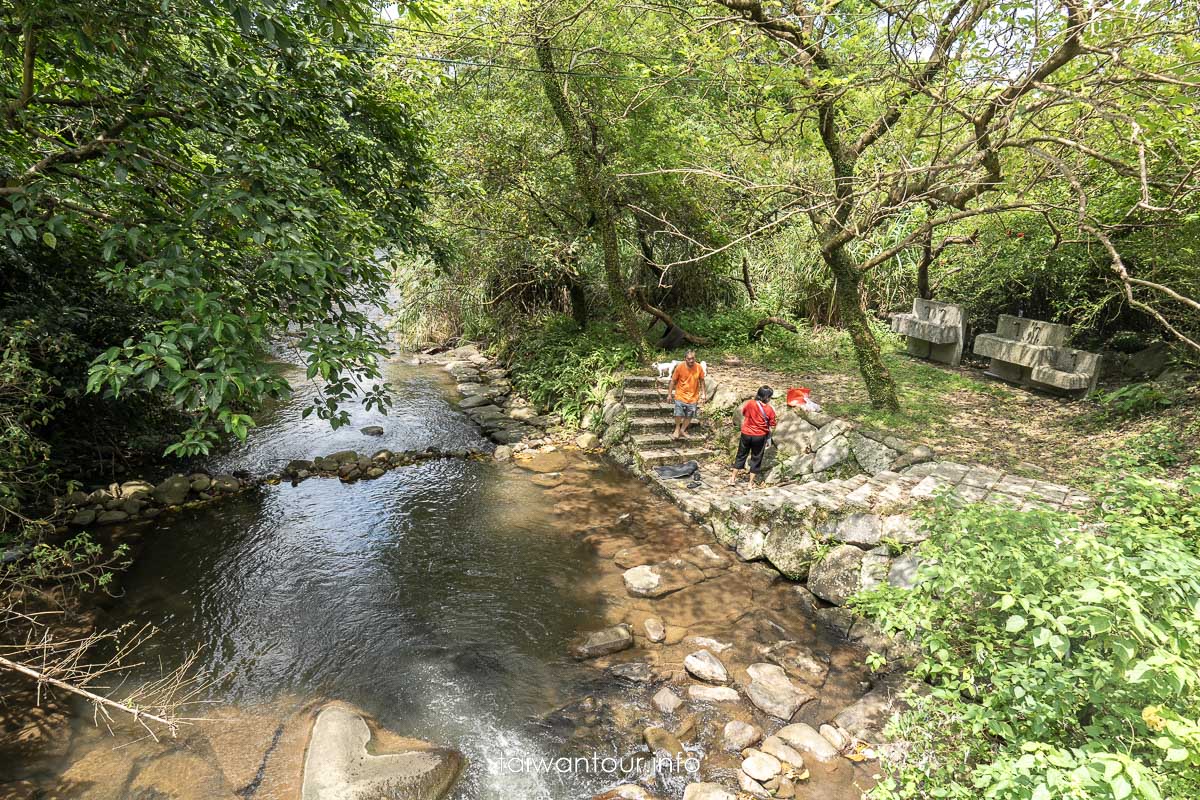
[651, 421]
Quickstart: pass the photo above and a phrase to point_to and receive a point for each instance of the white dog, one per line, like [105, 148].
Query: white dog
[667, 368]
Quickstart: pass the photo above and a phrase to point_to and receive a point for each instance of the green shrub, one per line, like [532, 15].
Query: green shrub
[1135, 400]
[1064, 653]
[562, 368]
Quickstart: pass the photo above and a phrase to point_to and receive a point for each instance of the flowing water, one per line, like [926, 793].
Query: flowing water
[441, 599]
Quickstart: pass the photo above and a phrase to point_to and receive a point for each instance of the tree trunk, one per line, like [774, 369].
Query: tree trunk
[923, 290]
[579, 306]
[593, 186]
[878, 379]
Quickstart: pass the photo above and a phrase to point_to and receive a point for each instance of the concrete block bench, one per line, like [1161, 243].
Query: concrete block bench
[1035, 354]
[935, 330]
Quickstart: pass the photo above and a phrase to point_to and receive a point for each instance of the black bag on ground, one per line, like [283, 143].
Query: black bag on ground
[677, 470]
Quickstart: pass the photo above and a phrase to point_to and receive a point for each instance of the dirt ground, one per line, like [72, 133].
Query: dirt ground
[966, 416]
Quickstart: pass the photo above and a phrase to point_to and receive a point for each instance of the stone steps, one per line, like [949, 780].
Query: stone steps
[647, 424]
[644, 395]
[652, 420]
[650, 409]
[645, 381]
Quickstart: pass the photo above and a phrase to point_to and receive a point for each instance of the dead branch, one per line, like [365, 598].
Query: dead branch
[757, 332]
[638, 295]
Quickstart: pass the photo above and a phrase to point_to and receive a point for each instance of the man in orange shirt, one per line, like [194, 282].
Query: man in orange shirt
[687, 390]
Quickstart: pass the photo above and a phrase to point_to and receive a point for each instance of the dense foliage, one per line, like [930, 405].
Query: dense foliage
[816, 164]
[180, 184]
[1064, 653]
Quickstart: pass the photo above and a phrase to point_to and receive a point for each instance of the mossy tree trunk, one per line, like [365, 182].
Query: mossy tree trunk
[881, 389]
[595, 188]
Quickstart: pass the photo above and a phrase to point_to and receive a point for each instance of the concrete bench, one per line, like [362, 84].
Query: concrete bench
[935, 330]
[1035, 354]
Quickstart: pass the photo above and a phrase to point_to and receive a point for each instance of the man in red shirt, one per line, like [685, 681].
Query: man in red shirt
[758, 420]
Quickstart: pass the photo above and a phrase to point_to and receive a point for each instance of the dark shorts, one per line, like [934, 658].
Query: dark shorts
[689, 410]
[750, 446]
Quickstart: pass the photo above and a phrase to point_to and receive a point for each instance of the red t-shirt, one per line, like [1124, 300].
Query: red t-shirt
[757, 418]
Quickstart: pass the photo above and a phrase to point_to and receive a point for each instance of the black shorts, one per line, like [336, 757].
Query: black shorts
[752, 446]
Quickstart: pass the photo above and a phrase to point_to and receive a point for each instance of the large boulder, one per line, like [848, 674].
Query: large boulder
[831, 453]
[793, 433]
[339, 765]
[791, 550]
[836, 577]
[874, 457]
[172, 491]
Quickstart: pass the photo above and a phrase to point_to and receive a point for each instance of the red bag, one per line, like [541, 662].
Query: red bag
[798, 397]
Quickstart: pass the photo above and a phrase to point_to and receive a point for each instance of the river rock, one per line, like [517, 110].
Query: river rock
[587, 441]
[339, 766]
[655, 630]
[109, 517]
[773, 692]
[707, 791]
[836, 577]
[667, 701]
[502, 453]
[867, 718]
[662, 739]
[797, 659]
[713, 694]
[132, 507]
[474, 401]
[225, 483]
[761, 766]
[633, 672]
[834, 736]
[809, 743]
[738, 735]
[706, 667]
[172, 491]
[605, 642]
[657, 580]
[752, 787]
[202, 483]
[773, 745]
[372, 430]
[136, 490]
[83, 517]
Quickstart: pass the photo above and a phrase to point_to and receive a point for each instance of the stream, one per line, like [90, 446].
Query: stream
[441, 599]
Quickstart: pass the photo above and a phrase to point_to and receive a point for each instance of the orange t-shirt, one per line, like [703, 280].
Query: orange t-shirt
[687, 382]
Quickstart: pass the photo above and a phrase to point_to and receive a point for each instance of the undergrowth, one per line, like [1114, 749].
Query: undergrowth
[564, 369]
[1063, 652]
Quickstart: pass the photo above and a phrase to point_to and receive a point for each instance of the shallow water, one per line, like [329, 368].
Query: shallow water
[440, 598]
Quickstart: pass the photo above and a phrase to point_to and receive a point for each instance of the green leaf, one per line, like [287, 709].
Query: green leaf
[1015, 623]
